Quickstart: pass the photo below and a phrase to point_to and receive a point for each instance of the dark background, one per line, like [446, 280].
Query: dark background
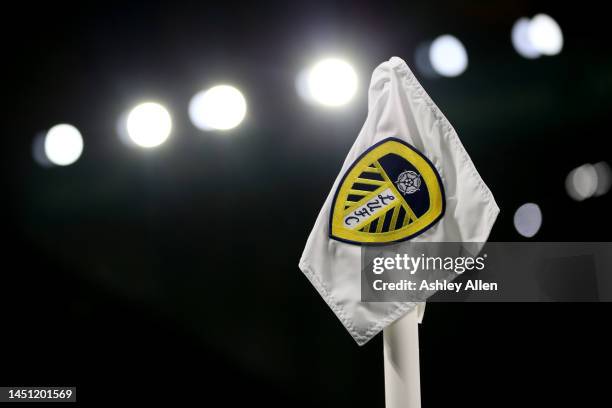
[172, 272]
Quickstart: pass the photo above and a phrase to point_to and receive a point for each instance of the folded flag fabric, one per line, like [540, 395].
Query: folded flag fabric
[407, 177]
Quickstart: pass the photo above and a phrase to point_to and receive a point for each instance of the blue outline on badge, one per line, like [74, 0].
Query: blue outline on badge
[357, 162]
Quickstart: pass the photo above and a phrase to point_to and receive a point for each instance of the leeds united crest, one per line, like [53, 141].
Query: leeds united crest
[391, 193]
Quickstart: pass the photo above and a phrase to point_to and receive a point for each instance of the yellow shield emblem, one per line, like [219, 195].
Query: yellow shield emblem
[391, 193]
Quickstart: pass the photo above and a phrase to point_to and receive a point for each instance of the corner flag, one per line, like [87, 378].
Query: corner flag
[407, 177]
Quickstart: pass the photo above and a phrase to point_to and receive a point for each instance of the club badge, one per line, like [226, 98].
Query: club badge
[391, 193]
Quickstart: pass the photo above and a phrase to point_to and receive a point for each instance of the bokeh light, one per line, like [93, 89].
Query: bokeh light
[545, 35]
[521, 40]
[528, 219]
[581, 183]
[604, 178]
[448, 56]
[221, 107]
[63, 144]
[331, 82]
[148, 124]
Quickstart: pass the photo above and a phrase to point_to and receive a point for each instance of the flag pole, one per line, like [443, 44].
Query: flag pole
[401, 356]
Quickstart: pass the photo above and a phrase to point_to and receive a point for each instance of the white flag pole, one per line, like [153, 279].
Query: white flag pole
[401, 354]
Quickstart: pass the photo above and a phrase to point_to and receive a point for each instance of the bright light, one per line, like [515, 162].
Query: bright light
[528, 219]
[63, 144]
[331, 82]
[221, 107]
[521, 40]
[604, 178]
[545, 35]
[581, 183]
[448, 56]
[149, 124]
[589, 180]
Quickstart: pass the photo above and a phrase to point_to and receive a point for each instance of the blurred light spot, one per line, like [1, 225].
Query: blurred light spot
[422, 61]
[221, 107]
[521, 40]
[604, 178]
[330, 82]
[149, 124]
[528, 219]
[448, 56]
[581, 183]
[63, 144]
[545, 35]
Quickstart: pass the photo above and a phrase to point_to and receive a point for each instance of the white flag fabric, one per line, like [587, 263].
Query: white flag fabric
[406, 153]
